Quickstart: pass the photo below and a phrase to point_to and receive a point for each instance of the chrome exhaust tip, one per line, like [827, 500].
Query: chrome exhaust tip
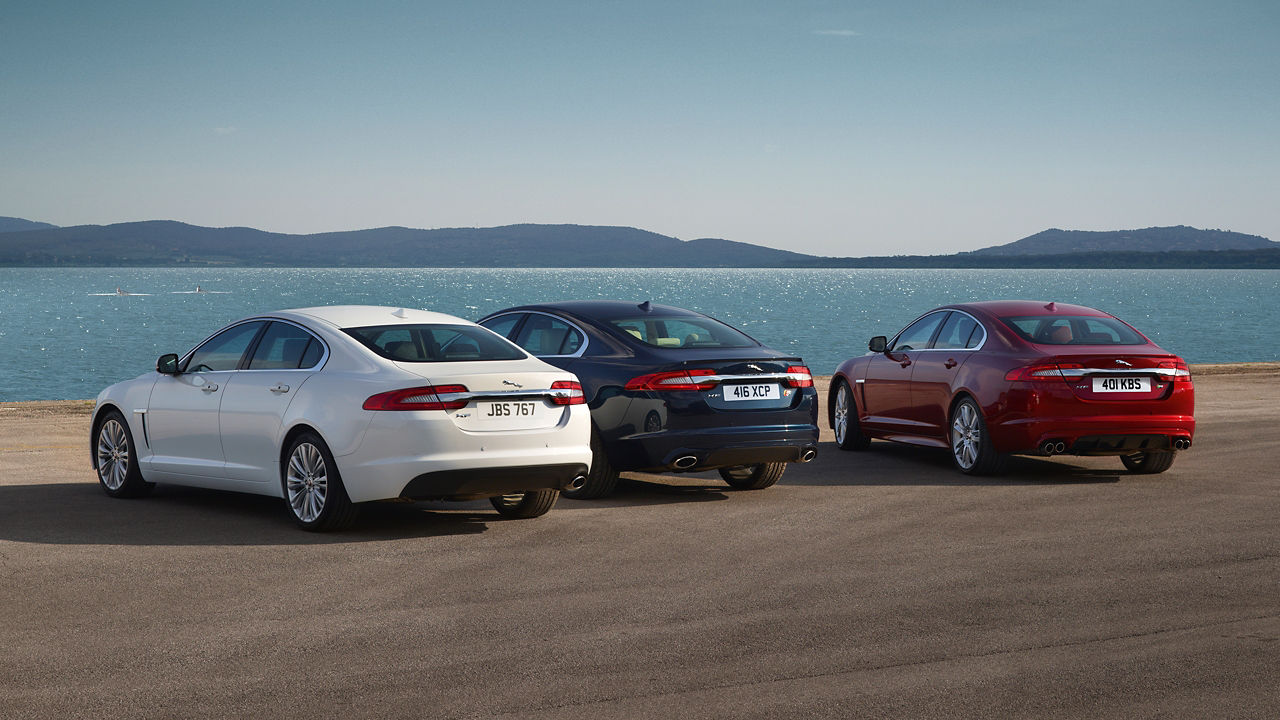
[1047, 448]
[685, 462]
[1060, 447]
[1181, 444]
[808, 455]
[577, 482]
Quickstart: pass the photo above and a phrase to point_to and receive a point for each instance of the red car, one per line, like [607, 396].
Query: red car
[990, 379]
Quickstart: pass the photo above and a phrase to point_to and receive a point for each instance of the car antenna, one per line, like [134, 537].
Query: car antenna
[645, 306]
[399, 313]
[1051, 307]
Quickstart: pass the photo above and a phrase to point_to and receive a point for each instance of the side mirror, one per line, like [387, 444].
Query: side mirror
[878, 344]
[167, 364]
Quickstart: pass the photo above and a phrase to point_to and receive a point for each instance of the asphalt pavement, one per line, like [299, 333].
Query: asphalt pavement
[880, 584]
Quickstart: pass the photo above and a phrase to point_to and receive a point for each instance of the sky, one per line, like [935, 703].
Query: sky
[832, 128]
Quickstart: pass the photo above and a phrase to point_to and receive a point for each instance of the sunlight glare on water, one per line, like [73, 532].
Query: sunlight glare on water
[59, 341]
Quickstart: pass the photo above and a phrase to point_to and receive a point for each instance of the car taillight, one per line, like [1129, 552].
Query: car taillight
[800, 377]
[567, 392]
[428, 397]
[1040, 373]
[1181, 373]
[677, 380]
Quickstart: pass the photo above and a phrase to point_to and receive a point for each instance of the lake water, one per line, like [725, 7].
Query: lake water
[60, 341]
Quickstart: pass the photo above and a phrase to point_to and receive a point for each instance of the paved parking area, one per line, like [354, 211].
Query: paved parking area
[877, 584]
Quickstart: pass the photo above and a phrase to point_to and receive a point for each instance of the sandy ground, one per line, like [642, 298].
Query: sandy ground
[875, 584]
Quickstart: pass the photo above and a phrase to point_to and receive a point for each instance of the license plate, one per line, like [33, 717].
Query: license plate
[1121, 384]
[506, 409]
[766, 391]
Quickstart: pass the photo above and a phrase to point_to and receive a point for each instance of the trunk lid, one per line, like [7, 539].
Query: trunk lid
[1118, 376]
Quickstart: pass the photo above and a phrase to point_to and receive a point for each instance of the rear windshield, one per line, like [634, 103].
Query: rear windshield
[435, 343]
[682, 332]
[1073, 330]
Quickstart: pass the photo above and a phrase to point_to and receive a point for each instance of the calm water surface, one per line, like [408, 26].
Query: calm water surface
[60, 341]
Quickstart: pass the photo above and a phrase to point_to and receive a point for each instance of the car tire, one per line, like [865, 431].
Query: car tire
[526, 504]
[116, 461]
[753, 477]
[1149, 462]
[601, 481]
[313, 488]
[971, 448]
[844, 419]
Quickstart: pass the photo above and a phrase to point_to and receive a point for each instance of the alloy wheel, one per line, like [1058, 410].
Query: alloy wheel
[966, 435]
[842, 413]
[307, 482]
[113, 454]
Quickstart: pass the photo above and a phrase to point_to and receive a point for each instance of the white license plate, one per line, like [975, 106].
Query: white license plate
[1121, 384]
[506, 409]
[767, 391]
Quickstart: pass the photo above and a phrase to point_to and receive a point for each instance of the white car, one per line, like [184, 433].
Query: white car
[332, 406]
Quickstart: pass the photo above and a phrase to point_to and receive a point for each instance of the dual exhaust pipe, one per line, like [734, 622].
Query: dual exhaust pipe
[1057, 447]
[685, 462]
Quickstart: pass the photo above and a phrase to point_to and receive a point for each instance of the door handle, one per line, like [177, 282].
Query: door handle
[280, 388]
[950, 363]
[211, 387]
[905, 362]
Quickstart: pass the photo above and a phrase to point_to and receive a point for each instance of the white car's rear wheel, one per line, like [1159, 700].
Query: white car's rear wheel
[526, 504]
[313, 487]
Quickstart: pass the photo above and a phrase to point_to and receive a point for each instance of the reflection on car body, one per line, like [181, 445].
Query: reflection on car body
[333, 406]
[672, 390]
[988, 379]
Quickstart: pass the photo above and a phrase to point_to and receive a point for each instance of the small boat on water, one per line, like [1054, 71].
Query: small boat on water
[119, 293]
[199, 291]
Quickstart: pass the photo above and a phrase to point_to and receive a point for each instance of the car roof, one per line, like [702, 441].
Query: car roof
[1013, 308]
[603, 309]
[346, 316]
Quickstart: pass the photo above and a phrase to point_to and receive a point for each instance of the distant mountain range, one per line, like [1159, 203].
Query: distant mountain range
[9, 224]
[169, 243]
[1156, 239]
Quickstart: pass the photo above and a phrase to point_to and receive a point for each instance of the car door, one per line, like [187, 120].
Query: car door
[182, 413]
[256, 398]
[935, 369]
[886, 389]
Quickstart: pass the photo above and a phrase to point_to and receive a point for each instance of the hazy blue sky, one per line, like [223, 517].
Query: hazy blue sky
[842, 128]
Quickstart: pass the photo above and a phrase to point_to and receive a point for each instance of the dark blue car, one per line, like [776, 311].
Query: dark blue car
[672, 390]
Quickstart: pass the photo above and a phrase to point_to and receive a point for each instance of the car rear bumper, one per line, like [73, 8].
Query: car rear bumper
[422, 454]
[706, 449]
[469, 483]
[1100, 435]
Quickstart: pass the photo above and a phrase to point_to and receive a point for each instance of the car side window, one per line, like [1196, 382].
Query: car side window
[503, 324]
[976, 337]
[224, 350]
[285, 347]
[917, 334]
[544, 335]
[955, 333]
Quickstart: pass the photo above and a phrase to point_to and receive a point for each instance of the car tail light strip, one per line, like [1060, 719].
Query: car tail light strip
[1031, 373]
[567, 392]
[797, 376]
[427, 397]
[1177, 370]
[454, 397]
